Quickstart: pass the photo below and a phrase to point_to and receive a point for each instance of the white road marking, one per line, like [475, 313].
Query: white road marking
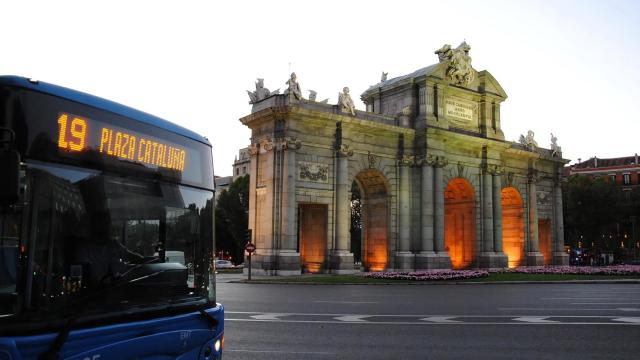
[563, 309]
[633, 320]
[536, 320]
[606, 303]
[345, 302]
[269, 316]
[521, 320]
[280, 352]
[440, 319]
[352, 318]
[590, 298]
[388, 323]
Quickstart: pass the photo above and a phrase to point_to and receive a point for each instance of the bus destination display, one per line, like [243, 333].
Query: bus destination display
[77, 134]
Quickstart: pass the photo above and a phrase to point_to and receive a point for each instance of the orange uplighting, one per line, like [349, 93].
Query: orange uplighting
[544, 239]
[460, 223]
[513, 226]
[313, 236]
[375, 240]
[375, 220]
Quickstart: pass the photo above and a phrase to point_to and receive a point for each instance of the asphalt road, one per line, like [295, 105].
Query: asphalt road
[481, 321]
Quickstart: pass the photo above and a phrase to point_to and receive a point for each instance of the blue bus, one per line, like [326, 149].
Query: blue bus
[106, 231]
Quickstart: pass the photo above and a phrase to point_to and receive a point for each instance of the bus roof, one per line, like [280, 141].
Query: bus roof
[100, 103]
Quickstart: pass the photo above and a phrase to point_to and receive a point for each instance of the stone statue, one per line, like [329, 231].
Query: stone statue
[555, 149]
[312, 95]
[384, 76]
[528, 141]
[345, 102]
[444, 53]
[293, 88]
[459, 68]
[261, 92]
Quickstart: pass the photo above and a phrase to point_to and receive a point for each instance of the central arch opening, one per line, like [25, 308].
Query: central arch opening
[460, 223]
[369, 202]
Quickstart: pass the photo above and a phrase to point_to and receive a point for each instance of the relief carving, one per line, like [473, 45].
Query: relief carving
[314, 172]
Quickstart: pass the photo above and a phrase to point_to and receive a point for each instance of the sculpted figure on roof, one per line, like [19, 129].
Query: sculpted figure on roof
[293, 89]
[459, 61]
[261, 92]
[345, 102]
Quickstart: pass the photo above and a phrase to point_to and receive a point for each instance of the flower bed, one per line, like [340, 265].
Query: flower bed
[575, 270]
[429, 275]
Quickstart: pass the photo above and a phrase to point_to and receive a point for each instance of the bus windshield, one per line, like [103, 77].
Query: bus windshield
[96, 236]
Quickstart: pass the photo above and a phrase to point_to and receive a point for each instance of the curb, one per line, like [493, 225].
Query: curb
[424, 283]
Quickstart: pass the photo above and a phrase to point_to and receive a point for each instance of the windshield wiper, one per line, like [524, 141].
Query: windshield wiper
[53, 353]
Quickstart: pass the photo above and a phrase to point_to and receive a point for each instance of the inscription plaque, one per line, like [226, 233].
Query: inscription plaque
[461, 113]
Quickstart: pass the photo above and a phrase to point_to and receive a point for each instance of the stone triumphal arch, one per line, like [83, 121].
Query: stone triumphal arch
[440, 186]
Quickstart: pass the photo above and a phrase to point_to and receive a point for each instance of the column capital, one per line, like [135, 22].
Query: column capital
[441, 162]
[344, 151]
[253, 149]
[266, 145]
[533, 176]
[406, 160]
[428, 160]
[496, 170]
[290, 143]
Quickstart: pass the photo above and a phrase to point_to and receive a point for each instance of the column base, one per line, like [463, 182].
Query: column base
[341, 262]
[430, 260]
[491, 260]
[560, 258]
[535, 259]
[405, 260]
[282, 263]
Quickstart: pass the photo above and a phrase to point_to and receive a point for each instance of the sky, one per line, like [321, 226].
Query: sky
[568, 67]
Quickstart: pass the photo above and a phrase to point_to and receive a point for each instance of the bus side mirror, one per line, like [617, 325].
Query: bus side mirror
[10, 179]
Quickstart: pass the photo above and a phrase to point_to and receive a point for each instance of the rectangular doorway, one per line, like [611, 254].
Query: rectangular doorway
[313, 236]
[544, 238]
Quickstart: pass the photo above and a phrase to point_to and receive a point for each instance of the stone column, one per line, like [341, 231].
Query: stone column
[404, 255]
[534, 257]
[492, 256]
[253, 214]
[443, 259]
[261, 218]
[341, 261]
[253, 151]
[427, 258]
[289, 257]
[499, 260]
[487, 212]
[559, 256]
[497, 211]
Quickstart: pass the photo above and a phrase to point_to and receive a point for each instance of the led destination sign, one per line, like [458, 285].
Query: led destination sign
[76, 134]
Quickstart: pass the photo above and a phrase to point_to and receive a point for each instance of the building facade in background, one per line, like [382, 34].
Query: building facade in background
[440, 186]
[622, 171]
[241, 163]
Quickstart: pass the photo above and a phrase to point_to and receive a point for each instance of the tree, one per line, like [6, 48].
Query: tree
[232, 218]
[356, 222]
[593, 210]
